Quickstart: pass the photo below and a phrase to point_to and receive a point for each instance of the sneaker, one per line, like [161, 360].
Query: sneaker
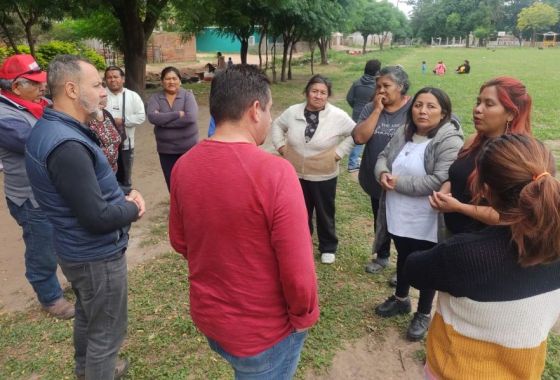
[393, 281]
[327, 258]
[377, 265]
[61, 309]
[393, 306]
[418, 327]
[120, 370]
[353, 169]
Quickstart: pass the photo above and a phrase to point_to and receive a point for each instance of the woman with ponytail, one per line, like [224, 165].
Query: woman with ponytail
[499, 288]
[503, 106]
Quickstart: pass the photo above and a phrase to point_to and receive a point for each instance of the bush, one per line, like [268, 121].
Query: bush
[46, 52]
[94, 57]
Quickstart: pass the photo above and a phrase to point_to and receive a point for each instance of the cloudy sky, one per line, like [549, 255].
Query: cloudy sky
[405, 8]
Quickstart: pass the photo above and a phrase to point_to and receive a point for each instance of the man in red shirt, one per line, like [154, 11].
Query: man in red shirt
[238, 216]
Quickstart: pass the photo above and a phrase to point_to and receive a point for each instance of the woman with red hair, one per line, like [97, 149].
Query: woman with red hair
[503, 107]
[499, 289]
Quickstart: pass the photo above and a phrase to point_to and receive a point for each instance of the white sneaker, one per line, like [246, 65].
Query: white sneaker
[327, 258]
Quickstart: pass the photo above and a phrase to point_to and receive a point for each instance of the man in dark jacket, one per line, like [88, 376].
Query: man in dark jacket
[21, 104]
[358, 96]
[78, 191]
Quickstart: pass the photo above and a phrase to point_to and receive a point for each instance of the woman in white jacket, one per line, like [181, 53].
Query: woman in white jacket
[314, 136]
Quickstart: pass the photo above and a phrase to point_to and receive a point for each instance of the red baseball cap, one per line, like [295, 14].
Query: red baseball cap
[22, 66]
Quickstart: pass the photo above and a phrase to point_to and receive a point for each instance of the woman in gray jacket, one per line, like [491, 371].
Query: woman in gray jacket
[409, 169]
[173, 112]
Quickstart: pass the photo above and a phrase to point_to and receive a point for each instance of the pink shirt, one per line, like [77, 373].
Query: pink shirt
[238, 216]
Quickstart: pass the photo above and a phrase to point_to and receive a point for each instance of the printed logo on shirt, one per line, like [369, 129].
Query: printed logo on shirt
[387, 129]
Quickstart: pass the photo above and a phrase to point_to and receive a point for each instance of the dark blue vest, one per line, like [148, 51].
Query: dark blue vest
[72, 242]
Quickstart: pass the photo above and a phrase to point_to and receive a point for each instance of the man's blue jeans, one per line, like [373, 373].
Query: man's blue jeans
[40, 259]
[355, 157]
[277, 363]
[101, 314]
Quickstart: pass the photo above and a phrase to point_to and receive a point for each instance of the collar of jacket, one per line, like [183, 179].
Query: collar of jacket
[58, 116]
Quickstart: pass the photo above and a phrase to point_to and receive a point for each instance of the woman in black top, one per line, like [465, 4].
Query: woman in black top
[503, 107]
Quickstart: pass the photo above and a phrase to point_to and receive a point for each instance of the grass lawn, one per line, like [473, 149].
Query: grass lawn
[162, 340]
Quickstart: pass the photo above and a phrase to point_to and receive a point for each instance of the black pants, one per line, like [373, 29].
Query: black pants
[167, 161]
[405, 246]
[385, 250]
[124, 169]
[319, 197]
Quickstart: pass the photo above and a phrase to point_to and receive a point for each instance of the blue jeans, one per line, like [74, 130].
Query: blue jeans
[101, 314]
[40, 259]
[279, 362]
[355, 157]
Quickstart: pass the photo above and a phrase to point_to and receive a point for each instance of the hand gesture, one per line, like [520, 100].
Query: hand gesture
[444, 202]
[136, 197]
[388, 181]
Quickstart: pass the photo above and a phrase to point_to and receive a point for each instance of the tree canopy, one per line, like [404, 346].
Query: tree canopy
[536, 18]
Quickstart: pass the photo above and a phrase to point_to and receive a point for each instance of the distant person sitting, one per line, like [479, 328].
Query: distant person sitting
[465, 68]
[440, 68]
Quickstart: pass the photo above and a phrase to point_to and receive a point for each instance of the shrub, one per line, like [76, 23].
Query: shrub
[46, 52]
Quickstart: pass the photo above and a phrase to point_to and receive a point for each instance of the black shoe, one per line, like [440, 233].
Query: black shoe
[418, 327]
[393, 306]
[393, 281]
[376, 265]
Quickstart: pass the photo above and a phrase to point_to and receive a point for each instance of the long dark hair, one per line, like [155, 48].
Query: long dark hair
[444, 103]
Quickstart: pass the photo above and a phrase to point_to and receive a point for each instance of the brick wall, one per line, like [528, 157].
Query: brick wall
[169, 47]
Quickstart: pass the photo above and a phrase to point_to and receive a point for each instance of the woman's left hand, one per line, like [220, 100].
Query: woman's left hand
[337, 158]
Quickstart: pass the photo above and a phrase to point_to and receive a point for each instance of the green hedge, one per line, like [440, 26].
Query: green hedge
[46, 52]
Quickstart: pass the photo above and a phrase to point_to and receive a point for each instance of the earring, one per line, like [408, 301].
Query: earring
[508, 124]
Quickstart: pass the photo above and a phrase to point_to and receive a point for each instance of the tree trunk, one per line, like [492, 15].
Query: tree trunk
[8, 34]
[244, 49]
[365, 43]
[467, 41]
[290, 60]
[266, 56]
[312, 60]
[312, 51]
[260, 48]
[382, 40]
[533, 39]
[134, 49]
[30, 40]
[137, 34]
[323, 43]
[286, 47]
[274, 60]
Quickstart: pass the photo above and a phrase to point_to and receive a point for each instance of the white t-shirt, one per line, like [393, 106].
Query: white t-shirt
[409, 216]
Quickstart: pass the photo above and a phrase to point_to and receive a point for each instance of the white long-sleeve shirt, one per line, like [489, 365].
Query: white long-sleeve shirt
[135, 113]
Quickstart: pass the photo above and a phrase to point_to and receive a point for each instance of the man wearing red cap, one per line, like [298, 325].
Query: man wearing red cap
[21, 105]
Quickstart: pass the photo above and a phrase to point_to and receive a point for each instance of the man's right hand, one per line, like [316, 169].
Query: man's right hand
[118, 121]
[136, 197]
[282, 150]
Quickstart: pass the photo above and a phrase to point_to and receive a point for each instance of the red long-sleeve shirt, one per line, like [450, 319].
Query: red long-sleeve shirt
[238, 216]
